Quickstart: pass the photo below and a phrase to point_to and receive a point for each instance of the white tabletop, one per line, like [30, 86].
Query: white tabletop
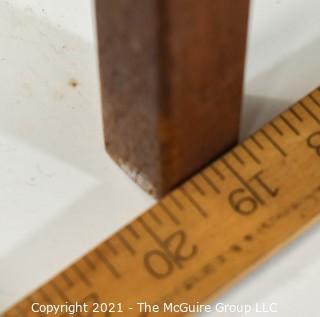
[60, 194]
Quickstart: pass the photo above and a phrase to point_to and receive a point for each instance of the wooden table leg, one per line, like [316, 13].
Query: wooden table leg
[171, 79]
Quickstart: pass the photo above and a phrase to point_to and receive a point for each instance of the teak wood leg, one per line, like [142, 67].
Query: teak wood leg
[171, 71]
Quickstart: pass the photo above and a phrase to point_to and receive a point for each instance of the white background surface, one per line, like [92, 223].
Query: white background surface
[60, 194]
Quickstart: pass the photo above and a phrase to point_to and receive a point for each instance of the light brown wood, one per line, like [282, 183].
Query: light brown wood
[209, 232]
[171, 81]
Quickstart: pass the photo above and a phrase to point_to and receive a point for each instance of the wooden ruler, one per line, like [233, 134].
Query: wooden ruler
[207, 233]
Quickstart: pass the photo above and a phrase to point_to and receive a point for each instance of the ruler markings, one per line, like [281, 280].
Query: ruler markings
[276, 128]
[237, 156]
[197, 187]
[168, 212]
[256, 142]
[108, 243]
[273, 142]
[67, 279]
[126, 244]
[315, 101]
[289, 124]
[176, 201]
[269, 223]
[211, 267]
[242, 181]
[156, 238]
[217, 263]
[236, 248]
[107, 263]
[133, 231]
[309, 112]
[45, 295]
[154, 216]
[210, 182]
[184, 191]
[81, 275]
[248, 237]
[217, 171]
[250, 153]
[59, 291]
[88, 262]
[221, 258]
[295, 114]
[176, 246]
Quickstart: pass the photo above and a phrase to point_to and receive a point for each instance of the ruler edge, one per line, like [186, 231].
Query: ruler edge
[256, 264]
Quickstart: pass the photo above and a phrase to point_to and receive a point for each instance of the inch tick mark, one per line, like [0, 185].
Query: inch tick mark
[242, 180]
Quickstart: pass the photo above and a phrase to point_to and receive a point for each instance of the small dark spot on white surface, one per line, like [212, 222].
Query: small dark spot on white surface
[73, 83]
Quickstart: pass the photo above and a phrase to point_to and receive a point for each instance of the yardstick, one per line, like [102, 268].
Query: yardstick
[207, 233]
